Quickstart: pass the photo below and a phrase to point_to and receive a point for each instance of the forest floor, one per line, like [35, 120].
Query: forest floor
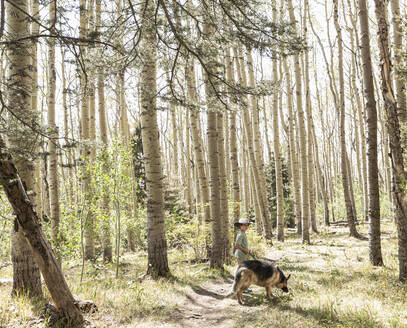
[332, 285]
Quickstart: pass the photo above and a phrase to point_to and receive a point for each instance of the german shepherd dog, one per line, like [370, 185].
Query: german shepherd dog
[261, 273]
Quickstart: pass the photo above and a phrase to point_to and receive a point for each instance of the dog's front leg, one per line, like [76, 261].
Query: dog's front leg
[240, 297]
[269, 293]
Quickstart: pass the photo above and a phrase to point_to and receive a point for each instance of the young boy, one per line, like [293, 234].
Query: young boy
[241, 243]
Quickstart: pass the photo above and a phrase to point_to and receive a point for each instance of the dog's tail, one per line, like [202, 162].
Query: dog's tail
[233, 291]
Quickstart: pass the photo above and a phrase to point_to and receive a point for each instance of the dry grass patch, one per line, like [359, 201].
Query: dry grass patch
[332, 285]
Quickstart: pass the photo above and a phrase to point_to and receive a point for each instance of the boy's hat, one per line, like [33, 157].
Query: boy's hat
[242, 221]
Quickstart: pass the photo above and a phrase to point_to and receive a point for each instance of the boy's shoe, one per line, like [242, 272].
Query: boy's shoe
[248, 291]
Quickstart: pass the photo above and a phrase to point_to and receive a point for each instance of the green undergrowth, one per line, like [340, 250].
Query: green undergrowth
[332, 284]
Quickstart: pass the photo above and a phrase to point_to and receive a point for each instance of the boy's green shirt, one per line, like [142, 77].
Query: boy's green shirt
[241, 240]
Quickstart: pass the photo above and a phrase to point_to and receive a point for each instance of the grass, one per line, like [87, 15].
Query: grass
[332, 285]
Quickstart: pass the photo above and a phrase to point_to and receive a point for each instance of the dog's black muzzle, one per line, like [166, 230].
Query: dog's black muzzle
[285, 289]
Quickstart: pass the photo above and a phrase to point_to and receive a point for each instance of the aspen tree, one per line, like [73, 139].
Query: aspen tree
[393, 127]
[69, 157]
[276, 145]
[344, 157]
[106, 233]
[182, 165]
[264, 215]
[26, 274]
[258, 151]
[213, 105]
[195, 132]
[386, 159]
[227, 146]
[266, 130]
[188, 162]
[397, 59]
[233, 142]
[53, 130]
[91, 87]
[85, 126]
[322, 177]
[308, 112]
[245, 172]
[35, 27]
[354, 123]
[361, 121]
[174, 139]
[223, 186]
[302, 140]
[29, 223]
[293, 148]
[157, 243]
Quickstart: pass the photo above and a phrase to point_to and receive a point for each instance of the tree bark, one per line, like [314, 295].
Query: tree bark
[53, 131]
[321, 177]
[258, 151]
[107, 240]
[345, 177]
[308, 111]
[88, 225]
[302, 150]
[293, 148]
[233, 143]
[213, 105]
[26, 275]
[261, 197]
[398, 59]
[31, 228]
[393, 127]
[34, 99]
[223, 186]
[276, 147]
[157, 243]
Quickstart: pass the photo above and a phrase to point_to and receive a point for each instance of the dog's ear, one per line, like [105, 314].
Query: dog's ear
[289, 276]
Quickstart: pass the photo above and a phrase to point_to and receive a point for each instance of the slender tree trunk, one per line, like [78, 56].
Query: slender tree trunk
[157, 243]
[361, 132]
[398, 60]
[34, 99]
[258, 151]
[188, 165]
[227, 147]
[223, 187]
[53, 130]
[276, 147]
[196, 135]
[393, 127]
[361, 118]
[84, 85]
[213, 105]
[293, 148]
[266, 130]
[217, 251]
[174, 140]
[250, 145]
[233, 143]
[245, 172]
[68, 144]
[31, 229]
[321, 177]
[345, 177]
[26, 274]
[106, 229]
[302, 150]
[308, 110]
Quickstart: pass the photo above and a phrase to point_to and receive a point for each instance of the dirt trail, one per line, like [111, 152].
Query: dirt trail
[206, 306]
